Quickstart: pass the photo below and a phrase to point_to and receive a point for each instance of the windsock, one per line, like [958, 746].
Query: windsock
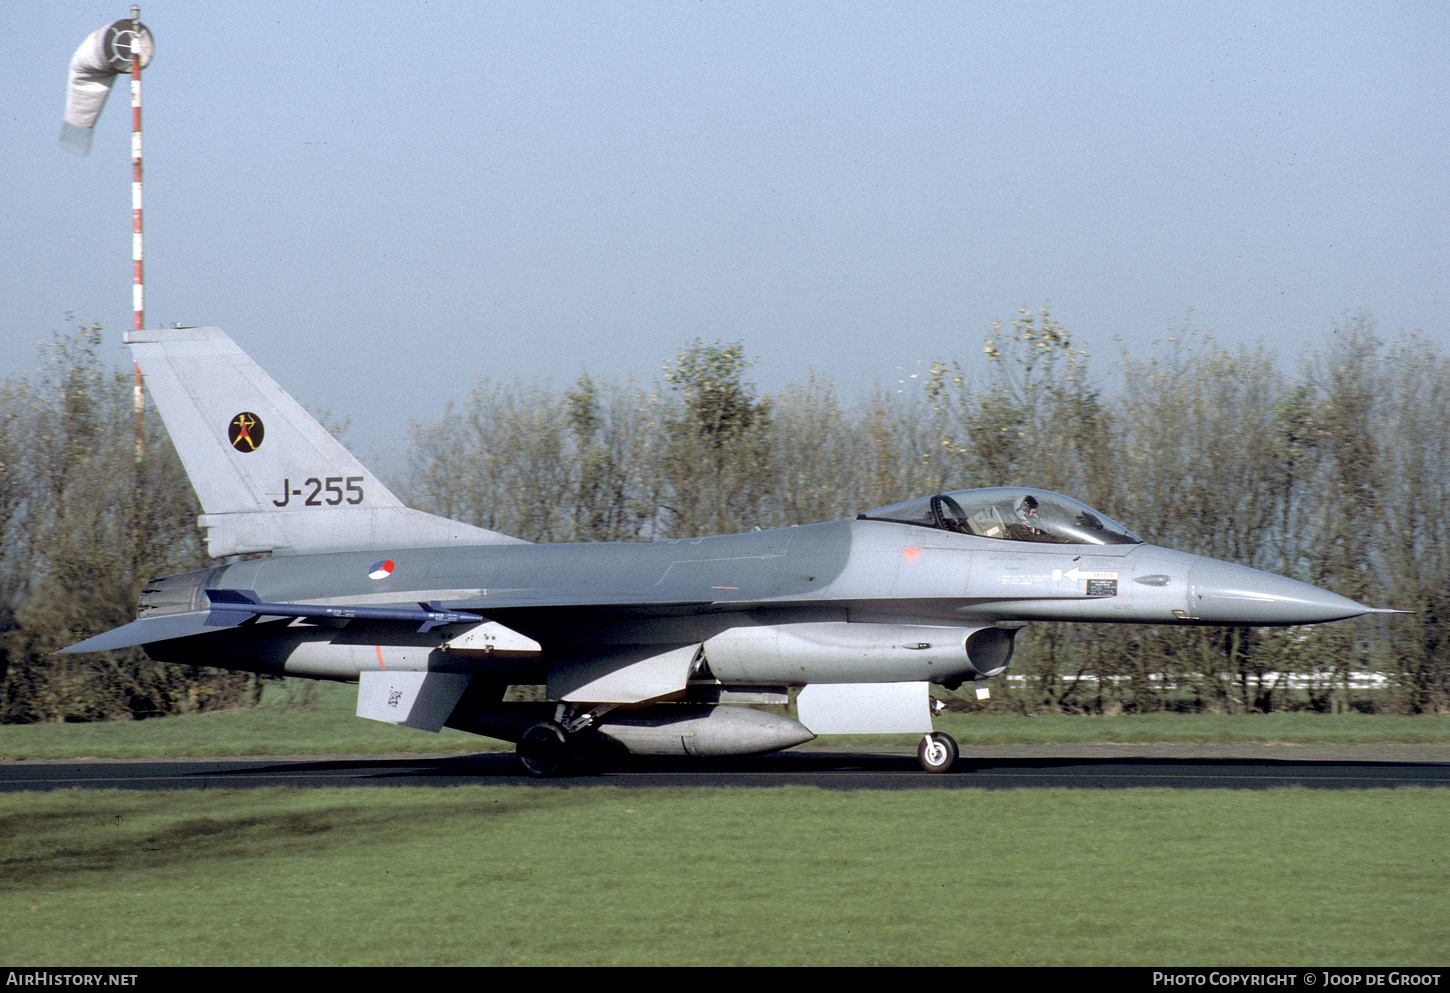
[101, 58]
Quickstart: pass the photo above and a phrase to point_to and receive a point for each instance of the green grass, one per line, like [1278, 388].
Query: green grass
[548, 875]
[332, 728]
[793, 876]
[272, 729]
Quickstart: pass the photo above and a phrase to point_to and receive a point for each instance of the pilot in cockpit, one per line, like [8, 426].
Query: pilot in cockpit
[1028, 526]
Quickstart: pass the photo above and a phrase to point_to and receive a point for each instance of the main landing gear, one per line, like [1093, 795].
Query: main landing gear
[543, 749]
[937, 752]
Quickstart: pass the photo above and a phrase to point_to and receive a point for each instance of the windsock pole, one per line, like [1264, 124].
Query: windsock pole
[138, 294]
[106, 54]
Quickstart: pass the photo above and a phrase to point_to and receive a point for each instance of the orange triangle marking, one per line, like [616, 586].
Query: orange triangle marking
[911, 554]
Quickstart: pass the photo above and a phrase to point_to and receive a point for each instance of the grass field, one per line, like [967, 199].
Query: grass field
[531, 876]
[547, 875]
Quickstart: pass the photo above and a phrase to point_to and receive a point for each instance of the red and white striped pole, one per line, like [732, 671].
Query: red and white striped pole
[138, 293]
[110, 51]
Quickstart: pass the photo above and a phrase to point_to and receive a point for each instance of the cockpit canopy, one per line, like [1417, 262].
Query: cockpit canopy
[1009, 513]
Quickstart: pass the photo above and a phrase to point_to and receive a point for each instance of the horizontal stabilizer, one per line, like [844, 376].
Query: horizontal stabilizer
[232, 607]
[145, 632]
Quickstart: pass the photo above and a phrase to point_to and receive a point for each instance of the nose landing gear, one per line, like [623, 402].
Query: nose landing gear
[937, 752]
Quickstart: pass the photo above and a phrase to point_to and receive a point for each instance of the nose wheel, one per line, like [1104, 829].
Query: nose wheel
[937, 752]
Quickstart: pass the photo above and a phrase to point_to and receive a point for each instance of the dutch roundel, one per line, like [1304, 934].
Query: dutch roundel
[381, 570]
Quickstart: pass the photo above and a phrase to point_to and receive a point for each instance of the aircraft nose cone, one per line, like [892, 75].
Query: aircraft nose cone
[1224, 593]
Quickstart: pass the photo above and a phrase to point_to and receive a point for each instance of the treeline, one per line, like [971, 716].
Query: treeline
[1334, 473]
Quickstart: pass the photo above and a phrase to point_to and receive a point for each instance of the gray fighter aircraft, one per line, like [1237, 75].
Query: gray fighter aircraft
[645, 648]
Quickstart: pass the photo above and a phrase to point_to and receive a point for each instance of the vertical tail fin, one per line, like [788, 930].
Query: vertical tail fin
[269, 477]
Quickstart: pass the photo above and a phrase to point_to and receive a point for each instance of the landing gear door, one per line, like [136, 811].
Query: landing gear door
[865, 708]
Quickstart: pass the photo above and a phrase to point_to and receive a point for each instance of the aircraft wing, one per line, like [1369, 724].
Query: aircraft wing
[233, 608]
[634, 603]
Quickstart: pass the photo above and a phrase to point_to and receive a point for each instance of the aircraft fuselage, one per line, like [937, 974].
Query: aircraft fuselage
[573, 598]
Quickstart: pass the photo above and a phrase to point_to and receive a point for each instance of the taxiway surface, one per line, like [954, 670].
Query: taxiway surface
[1002, 767]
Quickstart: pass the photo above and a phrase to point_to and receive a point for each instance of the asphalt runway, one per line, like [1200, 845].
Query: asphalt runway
[1043, 767]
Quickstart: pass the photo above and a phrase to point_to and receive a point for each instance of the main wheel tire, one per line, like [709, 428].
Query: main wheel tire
[937, 752]
[543, 749]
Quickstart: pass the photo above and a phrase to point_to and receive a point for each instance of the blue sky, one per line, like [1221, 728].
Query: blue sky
[384, 202]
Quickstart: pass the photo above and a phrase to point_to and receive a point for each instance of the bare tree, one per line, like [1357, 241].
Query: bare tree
[83, 531]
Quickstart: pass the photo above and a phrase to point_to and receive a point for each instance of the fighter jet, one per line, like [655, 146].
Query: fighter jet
[644, 648]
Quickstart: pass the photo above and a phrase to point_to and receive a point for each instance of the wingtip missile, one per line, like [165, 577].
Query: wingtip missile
[232, 607]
